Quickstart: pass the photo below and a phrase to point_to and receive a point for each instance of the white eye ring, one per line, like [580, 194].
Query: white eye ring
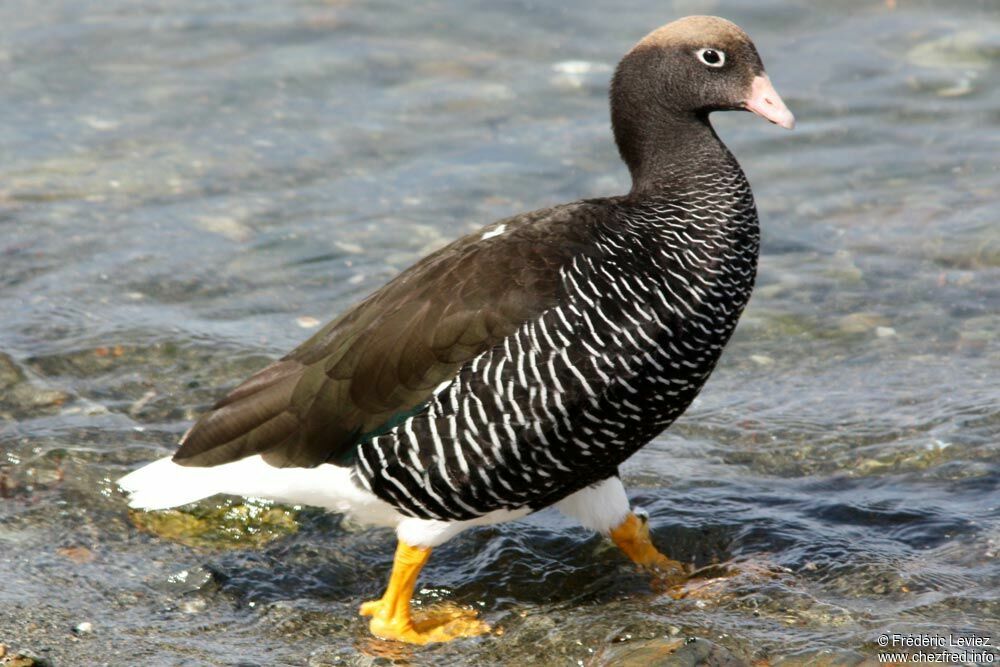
[711, 53]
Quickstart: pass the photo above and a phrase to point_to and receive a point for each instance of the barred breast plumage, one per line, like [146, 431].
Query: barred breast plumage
[519, 366]
[640, 319]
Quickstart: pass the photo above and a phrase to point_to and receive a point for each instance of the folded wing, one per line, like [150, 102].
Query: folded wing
[380, 362]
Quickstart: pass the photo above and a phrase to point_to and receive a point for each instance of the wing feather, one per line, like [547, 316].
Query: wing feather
[384, 357]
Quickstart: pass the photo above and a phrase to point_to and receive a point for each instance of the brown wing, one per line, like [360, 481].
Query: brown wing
[380, 361]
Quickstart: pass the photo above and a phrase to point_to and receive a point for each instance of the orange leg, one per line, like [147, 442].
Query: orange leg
[632, 537]
[391, 617]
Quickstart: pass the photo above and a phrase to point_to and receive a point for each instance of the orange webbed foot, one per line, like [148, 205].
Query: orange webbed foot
[439, 623]
[393, 619]
[632, 537]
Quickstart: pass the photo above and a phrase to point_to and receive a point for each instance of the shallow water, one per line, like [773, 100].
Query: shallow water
[184, 186]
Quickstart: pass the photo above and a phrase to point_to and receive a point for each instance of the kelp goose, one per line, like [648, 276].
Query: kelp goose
[519, 366]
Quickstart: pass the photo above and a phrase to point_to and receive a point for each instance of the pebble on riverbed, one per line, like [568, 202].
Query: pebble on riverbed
[885, 332]
[857, 323]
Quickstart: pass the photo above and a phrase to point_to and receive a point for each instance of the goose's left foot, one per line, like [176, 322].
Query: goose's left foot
[393, 619]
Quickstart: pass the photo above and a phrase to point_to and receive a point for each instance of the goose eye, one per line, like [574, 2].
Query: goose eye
[711, 57]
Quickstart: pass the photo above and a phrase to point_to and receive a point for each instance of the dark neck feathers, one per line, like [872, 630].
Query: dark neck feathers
[660, 139]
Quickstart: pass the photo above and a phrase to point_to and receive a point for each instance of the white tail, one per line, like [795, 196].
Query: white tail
[163, 483]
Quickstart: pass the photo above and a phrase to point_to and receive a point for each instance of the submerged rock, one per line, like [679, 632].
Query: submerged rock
[669, 652]
[19, 395]
[22, 658]
[10, 373]
[229, 525]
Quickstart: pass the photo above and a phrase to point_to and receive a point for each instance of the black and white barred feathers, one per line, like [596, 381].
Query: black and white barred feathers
[640, 320]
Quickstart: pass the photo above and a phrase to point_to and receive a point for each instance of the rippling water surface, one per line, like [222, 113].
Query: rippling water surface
[186, 187]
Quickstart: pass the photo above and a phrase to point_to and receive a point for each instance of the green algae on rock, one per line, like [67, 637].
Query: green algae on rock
[231, 524]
